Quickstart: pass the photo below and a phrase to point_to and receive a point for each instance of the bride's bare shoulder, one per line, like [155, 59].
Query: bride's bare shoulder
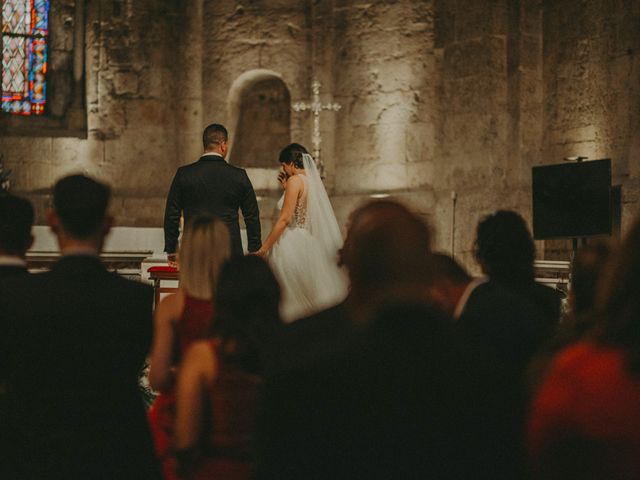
[295, 182]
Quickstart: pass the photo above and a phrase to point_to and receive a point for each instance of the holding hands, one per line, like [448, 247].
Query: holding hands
[260, 253]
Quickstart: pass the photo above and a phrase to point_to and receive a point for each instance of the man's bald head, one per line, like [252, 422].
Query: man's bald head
[384, 246]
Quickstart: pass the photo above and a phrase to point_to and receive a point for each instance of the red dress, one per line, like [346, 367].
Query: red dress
[229, 423]
[193, 325]
[586, 416]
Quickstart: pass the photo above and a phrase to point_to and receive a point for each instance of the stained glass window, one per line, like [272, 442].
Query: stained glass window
[25, 33]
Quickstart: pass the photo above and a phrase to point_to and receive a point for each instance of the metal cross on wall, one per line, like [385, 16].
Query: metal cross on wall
[316, 107]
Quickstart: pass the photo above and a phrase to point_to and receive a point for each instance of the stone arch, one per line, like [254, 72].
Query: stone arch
[260, 117]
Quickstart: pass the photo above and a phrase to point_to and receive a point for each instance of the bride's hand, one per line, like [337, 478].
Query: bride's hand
[260, 253]
[282, 178]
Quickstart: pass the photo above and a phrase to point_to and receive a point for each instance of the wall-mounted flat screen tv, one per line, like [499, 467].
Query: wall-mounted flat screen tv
[572, 199]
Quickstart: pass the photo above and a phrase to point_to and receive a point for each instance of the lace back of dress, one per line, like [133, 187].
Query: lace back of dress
[300, 212]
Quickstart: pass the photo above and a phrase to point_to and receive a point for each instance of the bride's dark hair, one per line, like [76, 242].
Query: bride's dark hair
[292, 153]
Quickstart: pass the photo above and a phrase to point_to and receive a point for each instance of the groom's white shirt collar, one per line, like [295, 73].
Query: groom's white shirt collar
[208, 154]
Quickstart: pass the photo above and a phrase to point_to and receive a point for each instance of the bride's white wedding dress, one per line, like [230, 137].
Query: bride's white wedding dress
[305, 257]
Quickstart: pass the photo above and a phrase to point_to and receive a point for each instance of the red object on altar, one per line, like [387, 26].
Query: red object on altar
[159, 273]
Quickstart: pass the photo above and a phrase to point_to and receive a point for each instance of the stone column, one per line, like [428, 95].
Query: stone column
[188, 83]
[386, 78]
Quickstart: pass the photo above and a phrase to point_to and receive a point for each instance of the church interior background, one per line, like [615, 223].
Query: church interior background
[444, 104]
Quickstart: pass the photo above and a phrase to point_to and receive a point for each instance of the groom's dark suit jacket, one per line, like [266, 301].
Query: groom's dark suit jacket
[72, 343]
[212, 186]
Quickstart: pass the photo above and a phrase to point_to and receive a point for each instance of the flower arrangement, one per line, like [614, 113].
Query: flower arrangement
[5, 183]
[148, 395]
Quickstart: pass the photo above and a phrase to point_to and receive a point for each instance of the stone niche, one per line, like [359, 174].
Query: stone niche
[263, 124]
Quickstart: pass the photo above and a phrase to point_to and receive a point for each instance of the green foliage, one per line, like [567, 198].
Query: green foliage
[148, 396]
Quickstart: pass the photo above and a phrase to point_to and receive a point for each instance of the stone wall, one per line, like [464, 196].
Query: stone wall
[592, 88]
[131, 133]
[248, 42]
[386, 78]
[491, 101]
[446, 105]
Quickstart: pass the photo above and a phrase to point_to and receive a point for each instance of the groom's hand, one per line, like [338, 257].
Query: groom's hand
[172, 260]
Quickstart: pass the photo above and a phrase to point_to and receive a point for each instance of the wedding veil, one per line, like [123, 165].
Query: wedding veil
[321, 220]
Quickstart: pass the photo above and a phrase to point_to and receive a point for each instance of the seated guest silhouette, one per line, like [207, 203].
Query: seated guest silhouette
[506, 252]
[219, 378]
[309, 420]
[181, 319]
[16, 220]
[73, 342]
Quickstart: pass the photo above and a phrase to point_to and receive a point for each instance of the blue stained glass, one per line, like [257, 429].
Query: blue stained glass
[25, 29]
[41, 23]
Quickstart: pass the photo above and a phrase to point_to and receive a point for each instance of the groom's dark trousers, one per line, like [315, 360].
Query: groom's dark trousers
[212, 186]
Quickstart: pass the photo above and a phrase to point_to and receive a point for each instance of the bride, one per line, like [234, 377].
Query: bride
[303, 245]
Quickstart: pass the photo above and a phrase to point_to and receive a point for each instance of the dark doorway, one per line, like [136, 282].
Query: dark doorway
[263, 125]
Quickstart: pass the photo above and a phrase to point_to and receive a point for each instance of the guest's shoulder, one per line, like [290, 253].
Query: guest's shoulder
[135, 287]
[310, 340]
[27, 279]
[324, 319]
[578, 356]
[546, 293]
[20, 290]
[11, 271]
[493, 295]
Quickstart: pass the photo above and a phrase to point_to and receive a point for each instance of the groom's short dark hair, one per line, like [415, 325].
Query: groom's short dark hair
[81, 204]
[214, 134]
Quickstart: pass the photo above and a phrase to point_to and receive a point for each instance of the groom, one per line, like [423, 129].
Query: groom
[212, 186]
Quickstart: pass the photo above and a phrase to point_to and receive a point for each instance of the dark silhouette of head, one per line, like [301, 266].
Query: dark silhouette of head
[384, 246]
[587, 268]
[80, 204]
[504, 247]
[16, 220]
[618, 299]
[214, 136]
[246, 303]
[292, 155]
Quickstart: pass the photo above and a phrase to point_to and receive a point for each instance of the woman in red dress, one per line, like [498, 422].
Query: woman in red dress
[181, 319]
[220, 377]
[585, 419]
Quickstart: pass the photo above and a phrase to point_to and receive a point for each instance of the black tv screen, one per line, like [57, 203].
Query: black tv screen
[572, 199]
